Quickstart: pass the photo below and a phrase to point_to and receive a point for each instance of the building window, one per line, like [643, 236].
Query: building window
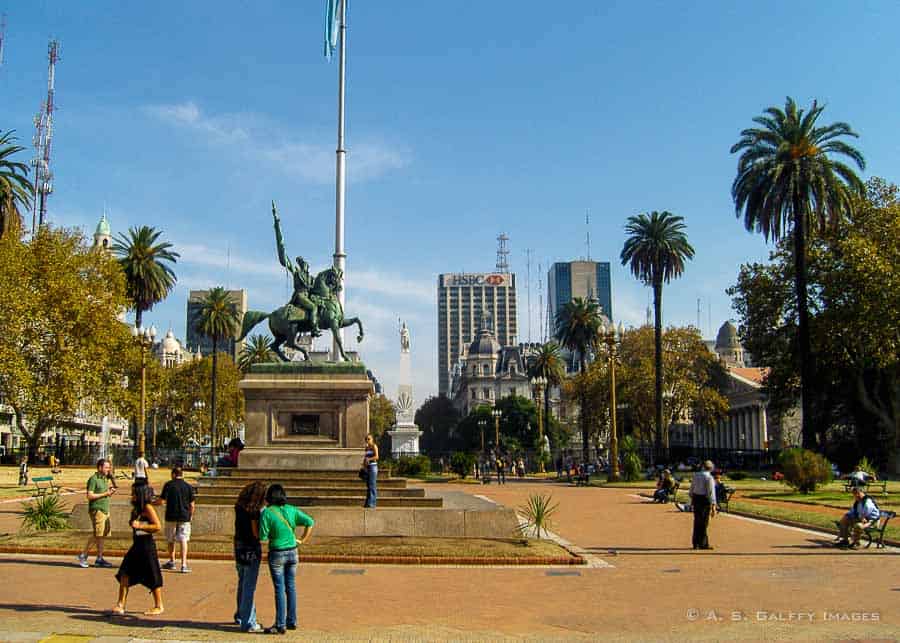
[474, 394]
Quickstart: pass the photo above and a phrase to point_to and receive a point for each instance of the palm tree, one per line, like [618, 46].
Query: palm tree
[257, 350]
[148, 276]
[217, 318]
[577, 329]
[15, 189]
[656, 248]
[786, 181]
[547, 362]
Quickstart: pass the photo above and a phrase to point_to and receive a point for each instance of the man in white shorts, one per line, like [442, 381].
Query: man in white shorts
[179, 497]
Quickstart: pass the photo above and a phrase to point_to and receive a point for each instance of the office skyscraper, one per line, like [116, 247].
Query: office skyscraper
[238, 298]
[585, 279]
[462, 300]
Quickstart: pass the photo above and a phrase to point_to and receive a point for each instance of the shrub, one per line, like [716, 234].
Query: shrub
[46, 513]
[865, 465]
[418, 465]
[462, 463]
[804, 470]
[737, 475]
[538, 513]
[631, 460]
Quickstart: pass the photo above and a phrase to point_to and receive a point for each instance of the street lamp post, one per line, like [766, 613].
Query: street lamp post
[497, 413]
[539, 383]
[482, 423]
[144, 337]
[612, 336]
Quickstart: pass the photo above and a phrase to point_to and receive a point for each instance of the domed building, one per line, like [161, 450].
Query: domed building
[728, 347]
[170, 353]
[487, 372]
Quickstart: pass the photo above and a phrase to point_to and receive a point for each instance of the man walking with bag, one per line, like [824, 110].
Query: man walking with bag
[703, 501]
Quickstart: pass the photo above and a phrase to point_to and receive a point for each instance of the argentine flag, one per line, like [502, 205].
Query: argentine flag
[332, 25]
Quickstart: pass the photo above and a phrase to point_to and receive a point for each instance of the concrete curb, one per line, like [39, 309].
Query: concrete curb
[575, 559]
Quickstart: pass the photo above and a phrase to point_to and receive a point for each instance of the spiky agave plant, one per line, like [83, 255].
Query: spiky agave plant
[538, 514]
[45, 513]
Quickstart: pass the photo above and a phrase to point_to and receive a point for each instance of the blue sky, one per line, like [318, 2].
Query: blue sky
[465, 118]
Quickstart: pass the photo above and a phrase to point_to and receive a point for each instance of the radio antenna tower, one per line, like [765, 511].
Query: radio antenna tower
[541, 305]
[502, 253]
[43, 139]
[2, 36]
[528, 288]
[587, 225]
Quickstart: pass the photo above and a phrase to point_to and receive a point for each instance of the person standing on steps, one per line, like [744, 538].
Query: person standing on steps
[370, 462]
[179, 497]
[277, 523]
[98, 492]
[703, 501]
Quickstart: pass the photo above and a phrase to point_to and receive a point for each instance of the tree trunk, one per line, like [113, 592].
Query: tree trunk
[138, 316]
[808, 430]
[212, 423]
[585, 443]
[657, 365]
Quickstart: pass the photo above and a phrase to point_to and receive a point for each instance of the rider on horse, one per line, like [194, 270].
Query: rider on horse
[302, 298]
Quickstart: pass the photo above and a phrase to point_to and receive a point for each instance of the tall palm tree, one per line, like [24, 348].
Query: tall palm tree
[257, 350]
[656, 249]
[15, 189]
[577, 329]
[218, 318]
[547, 362]
[148, 275]
[788, 182]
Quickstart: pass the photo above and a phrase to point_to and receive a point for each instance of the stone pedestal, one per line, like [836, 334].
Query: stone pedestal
[306, 416]
[404, 439]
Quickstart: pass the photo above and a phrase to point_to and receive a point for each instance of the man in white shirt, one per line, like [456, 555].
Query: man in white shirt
[703, 500]
[140, 469]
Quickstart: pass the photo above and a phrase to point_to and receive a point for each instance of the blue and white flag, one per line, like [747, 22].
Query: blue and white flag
[332, 26]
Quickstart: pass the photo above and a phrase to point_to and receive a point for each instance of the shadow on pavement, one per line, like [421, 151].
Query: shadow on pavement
[43, 563]
[672, 551]
[133, 619]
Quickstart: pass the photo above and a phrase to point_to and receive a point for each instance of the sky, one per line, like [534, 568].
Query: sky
[465, 119]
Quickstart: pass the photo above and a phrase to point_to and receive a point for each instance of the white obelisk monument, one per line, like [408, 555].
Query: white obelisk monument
[405, 434]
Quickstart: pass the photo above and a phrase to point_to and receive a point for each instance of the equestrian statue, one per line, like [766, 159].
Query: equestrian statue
[314, 305]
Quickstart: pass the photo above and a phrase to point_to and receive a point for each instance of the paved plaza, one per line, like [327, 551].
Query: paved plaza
[762, 581]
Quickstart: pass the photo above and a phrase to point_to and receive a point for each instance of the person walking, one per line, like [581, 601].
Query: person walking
[248, 553]
[703, 501]
[370, 463]
[23, 471]
[141, 563]
[98, 492]
[140, 469]
[277, 523]
[179, 497]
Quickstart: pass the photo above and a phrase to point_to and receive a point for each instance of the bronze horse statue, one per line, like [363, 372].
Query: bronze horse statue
[289, 321]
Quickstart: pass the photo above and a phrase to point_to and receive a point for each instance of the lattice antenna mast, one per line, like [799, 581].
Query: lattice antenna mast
[43, 142]
[502, 253]
[587, 225]
[2, 36]
[528, 287]
[541, 305]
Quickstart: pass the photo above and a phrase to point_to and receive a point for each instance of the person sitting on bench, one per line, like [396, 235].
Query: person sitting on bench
[664, 487]
[863, 513]
[721, 491]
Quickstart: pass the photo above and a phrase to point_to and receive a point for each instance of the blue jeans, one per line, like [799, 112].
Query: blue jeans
[247, 565]
[283, 569]
[372, 486]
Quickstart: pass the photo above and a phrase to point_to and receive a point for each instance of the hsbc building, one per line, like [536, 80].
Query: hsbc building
[462, 300]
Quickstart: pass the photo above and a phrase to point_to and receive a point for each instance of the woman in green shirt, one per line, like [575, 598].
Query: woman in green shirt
[276, 526]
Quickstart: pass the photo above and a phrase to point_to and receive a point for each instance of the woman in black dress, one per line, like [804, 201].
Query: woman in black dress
[141, 564]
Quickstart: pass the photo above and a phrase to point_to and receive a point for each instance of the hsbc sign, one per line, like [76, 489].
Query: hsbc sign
[475, 279]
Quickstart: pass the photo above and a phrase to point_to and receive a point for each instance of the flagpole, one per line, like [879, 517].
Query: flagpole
[340, 257]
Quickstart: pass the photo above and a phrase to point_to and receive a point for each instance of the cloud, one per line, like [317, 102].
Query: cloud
[393, 285]
[312, 162]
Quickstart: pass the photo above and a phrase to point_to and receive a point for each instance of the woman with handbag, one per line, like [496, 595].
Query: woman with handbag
[276, 526]
[370, 464]
[248, 552]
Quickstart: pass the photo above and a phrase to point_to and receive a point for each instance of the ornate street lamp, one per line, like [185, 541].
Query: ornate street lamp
[144, 337]
[497, 413]
[481, 424]
[539, 383]
[612, 336]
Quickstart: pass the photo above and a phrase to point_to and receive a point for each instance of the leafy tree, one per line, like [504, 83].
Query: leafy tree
[257, 350]
[787, 181]
[437, 418]
[382, 415]
[148, 275]
[577, 329]
[61, 345]
[468, 430]
[518, 421]
[656, 250]
[592, 387]
[631, 460]
[15, 189]
[217, 318]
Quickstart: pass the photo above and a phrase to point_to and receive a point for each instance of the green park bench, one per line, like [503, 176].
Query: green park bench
[44, 485]
[875, 532]
[850, 485]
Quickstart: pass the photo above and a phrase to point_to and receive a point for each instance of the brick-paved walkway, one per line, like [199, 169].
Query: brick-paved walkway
[658, 588]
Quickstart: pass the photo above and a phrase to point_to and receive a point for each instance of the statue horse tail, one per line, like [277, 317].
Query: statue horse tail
[251, 319]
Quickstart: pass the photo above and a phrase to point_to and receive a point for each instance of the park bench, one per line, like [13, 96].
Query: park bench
[723, 502]
[850, 485]
[875, 532]
[44, 485]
